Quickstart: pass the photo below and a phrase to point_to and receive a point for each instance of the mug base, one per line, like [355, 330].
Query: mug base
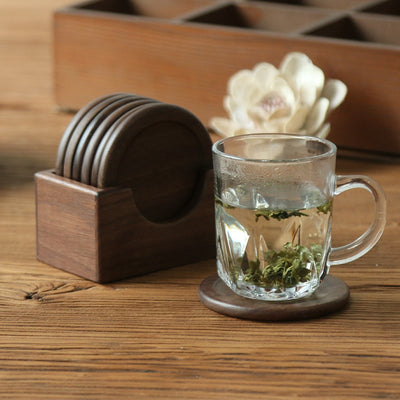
[331, 296]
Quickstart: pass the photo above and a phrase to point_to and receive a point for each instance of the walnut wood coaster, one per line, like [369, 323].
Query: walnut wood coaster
[131, 193]
[150, 337]
[332, 295]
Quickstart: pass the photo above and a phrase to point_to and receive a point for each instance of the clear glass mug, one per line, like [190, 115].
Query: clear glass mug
[273, 208]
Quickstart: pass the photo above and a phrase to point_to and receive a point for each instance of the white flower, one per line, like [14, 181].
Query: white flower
[292, 99]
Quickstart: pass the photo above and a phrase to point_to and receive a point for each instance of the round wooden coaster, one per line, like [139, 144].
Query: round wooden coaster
[80, 129]
[97, 136]
[70, 129]
[86, 135]
[160, 151]
[332, 295]
[132, 107]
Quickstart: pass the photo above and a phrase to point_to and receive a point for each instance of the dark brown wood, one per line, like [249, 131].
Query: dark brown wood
[188, 63]
[77, 145]
[332, 295]
[100, 139]
[62, 148]
[89, 153]
[80, 128]
[161, 152]
[101, 235]
[150, 337]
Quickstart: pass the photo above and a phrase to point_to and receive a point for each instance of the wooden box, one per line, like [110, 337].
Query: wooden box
[100, 234]
[184, 51]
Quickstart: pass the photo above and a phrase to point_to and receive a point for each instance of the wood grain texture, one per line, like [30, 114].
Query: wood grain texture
[331, 296]
[171, 57]
[150, 337]
[101, 234]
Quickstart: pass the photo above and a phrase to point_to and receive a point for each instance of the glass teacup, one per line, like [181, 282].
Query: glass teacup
[273, 207]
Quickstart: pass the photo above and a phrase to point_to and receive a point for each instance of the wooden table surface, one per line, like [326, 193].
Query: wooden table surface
[150, 337]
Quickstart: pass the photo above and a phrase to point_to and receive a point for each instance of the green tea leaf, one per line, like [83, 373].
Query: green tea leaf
[277, 214]
[326, 207]
[222, 204]
[284, 268]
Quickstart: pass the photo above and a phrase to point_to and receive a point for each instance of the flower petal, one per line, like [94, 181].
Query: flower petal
[273, 126]
[237, 81]
[265, 151]
[238, 112]
[335, 91]
[299, 71]
[323, 132]
[242, 131]
[264, 75]
[318, 77]
[278, 102]
[292, 99]
[317, 115]
[244, 89]
[292, 65]
[240, 84]
[296, 121]
[282, 90]
[307, 96]
[224, 127]
[257, 114]
[293, 60]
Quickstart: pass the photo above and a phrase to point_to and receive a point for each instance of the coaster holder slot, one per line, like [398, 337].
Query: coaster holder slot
[100, 235]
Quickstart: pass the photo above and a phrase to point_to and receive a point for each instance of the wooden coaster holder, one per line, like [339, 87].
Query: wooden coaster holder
[100, 235]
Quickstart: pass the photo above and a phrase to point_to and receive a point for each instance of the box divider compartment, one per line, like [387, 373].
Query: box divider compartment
[188, 59]
[326, 4]
[378, 29]
[261, 16]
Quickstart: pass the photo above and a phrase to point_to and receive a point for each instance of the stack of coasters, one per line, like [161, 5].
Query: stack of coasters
[131, 191]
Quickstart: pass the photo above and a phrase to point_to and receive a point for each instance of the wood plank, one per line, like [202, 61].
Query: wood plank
[149, 337]
[169, 60]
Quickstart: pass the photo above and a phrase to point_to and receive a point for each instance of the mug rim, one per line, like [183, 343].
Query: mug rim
[286, 136]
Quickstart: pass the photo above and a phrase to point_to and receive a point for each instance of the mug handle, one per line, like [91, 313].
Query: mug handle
[360, 246]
